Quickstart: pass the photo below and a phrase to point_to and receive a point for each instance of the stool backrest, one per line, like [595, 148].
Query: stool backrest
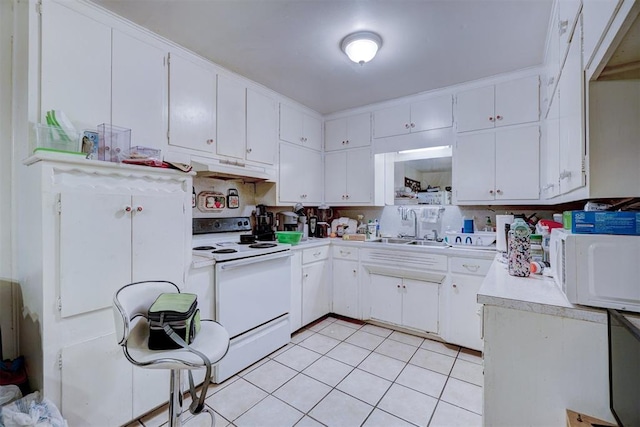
[134, 300]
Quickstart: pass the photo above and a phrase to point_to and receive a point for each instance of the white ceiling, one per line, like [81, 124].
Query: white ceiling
[293, 46]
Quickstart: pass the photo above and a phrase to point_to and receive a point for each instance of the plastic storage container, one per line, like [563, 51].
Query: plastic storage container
[51, 138]
[114, 140]
[291, 237]
[141, 156]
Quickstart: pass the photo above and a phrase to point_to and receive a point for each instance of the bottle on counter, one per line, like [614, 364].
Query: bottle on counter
[537, 254]
[519, 249]
[488, 226]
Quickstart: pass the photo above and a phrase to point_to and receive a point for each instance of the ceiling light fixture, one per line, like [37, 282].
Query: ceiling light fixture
[362, 46]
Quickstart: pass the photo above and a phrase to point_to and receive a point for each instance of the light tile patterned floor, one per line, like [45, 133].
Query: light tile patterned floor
[338, 373]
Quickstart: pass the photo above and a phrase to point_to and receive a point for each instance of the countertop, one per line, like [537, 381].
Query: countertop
[536, 293]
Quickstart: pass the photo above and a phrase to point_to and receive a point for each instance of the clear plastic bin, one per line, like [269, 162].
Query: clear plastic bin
[142, 156]
[51, 138]
[113, 141]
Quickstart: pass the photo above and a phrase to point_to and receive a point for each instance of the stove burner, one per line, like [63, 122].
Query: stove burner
[263, 245]
[203, 248]
[224, 251]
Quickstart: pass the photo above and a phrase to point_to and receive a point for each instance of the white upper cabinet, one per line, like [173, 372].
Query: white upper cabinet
[139, 68]
[300, 177]
[571, 118]
[568, 11]
[347, 132]
[75, 66]
[501, 165]
[550, 152]
[262, 127]
[348, 177]
[300, 128]
[503, 104]
[428, 114]
[230, 109]
[596, 18]
[192, 104]
[247, 122]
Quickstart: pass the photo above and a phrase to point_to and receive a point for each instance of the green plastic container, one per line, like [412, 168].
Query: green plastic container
[291, 237]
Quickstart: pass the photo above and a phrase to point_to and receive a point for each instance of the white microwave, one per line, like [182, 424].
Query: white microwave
[598, 270]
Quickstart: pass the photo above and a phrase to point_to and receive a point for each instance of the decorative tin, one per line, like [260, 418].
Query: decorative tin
[233, 199]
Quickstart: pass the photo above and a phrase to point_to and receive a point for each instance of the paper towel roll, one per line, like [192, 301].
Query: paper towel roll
[501, 238]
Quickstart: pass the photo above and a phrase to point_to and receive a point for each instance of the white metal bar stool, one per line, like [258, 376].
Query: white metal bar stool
[130, 306]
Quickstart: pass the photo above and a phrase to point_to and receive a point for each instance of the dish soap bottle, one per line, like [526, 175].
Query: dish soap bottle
[488, 226]
[519, 249]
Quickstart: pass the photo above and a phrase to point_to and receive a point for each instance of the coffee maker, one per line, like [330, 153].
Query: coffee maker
[287, 221]
[263, 228]
[323, 228]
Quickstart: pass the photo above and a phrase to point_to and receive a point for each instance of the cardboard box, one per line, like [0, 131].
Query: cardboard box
[599, 222]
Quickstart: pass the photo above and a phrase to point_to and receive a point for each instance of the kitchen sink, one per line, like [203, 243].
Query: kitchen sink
[427, 243]
[397, 240]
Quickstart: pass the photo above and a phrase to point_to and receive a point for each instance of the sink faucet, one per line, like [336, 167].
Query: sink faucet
[431, 235]
[415, 223]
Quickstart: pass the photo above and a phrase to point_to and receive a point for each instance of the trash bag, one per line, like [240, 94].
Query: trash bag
[31, 410]
[9, 393]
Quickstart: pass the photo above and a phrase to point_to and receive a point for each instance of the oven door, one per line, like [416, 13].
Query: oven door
[250, 292]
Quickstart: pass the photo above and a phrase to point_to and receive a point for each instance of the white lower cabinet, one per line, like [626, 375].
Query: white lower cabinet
[346, 289]
[316, 295]
[103, 225]
[462, 322]
[405, 302]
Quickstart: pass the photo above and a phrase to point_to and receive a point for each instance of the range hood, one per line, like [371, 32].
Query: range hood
[232, 170]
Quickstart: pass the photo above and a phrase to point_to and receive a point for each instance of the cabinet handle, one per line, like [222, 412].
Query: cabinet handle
[413, 125]
[301, 139]
[404, 286]
[139, 208]
[345, 253]
[490, 191]
[565, 174]
[343, 142]
[347, 142]
[562, 26]
[551, 80]
[127, 208]
[306, 275]
[317, 254]
[347, 196]
[454, 285]
[470, 267]
[498, 117]
[398, 286]
[209, 141]
[406, 125]
[491, 119]
[248, 150]
[498, 191]
[355, 272]
[548, 187]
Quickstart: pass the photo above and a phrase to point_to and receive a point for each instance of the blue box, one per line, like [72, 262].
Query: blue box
[599, 222]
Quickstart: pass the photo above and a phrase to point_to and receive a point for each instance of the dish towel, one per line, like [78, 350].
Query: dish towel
[432, 214]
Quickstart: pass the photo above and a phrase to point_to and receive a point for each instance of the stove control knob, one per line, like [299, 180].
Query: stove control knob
[246, 223]
[239, 223]
[216, 224]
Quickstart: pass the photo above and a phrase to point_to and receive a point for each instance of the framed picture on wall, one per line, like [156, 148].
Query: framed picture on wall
[412, 184]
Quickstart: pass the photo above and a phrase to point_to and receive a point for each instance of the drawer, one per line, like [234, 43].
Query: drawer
[315, 254]
[343, 252]
[475, 266]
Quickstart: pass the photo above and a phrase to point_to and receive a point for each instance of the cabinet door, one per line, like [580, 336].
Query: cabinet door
[262, 127]
[572, 141]
[518, 163]
[517, 101]
[464, 314]
[475, 109]
[596, 18]
[76, 70]
[567, 17]
[474, 167]
[550, 182]
[359, 173]
[295, 311]
[359, 130]
[291, 126]
[192, 104]
[335, 177]
[158, 237]
[312, 131]
[150, 389]
[300, 175]
[231, 127]
[345, 288]
[95, 250]
[432, 113]
[392, 121]
[96, 383]
[315, 291]
[420, 304]
[335, 134]
[139, 68]
[386, 298]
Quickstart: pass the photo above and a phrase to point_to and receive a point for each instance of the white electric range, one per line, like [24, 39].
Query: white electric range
[252, 290]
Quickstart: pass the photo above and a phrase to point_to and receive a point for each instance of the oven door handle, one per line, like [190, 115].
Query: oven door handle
[253, 260]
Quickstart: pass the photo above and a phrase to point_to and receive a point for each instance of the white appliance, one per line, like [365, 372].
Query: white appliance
[597, 270]
[252, 286]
